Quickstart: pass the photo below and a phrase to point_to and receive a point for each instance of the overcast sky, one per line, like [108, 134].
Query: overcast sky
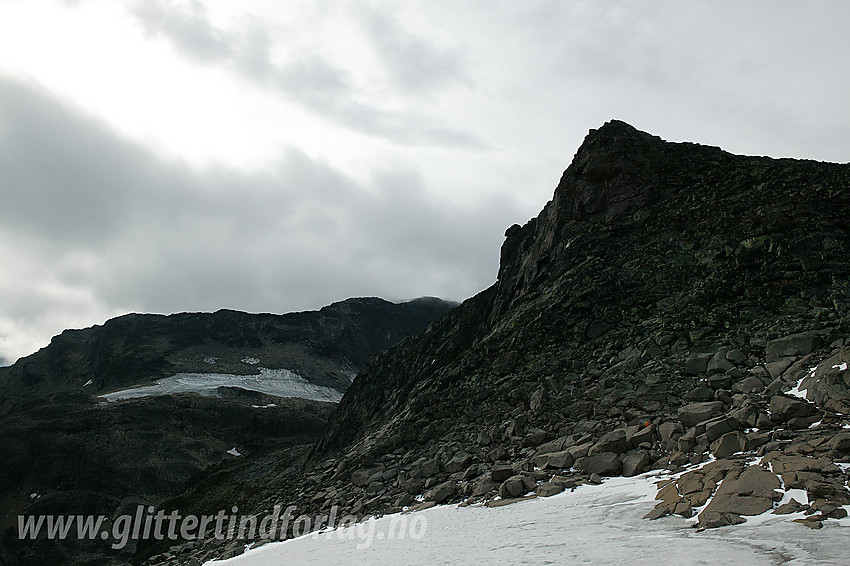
[276, 155]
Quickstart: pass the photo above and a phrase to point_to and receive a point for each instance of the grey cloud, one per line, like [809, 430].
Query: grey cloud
[110, 227]
[316, 84]
[414, 63]
[188, 27]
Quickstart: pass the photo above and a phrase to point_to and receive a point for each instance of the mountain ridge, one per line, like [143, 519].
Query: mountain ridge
[135, 349]
[664, 308]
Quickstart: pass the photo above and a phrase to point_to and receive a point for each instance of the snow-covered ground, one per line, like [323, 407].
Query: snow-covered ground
[592, 525]
[278, 382]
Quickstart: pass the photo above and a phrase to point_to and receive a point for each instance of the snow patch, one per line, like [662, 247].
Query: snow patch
[801, 393]
[269, 406]
[277, 382]
[594, 525]
[87, 383]
[234, 452]
[250, 361]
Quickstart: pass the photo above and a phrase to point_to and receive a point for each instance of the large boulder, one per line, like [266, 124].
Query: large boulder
[695, 413]
[696, 364]
[603, 463]
[441, 492]
[784, 408]
[501, 472]
[460, 461]
[554, 460]
[752, 492]
[614, 441]
[636, 463]
[829, 387]
[516, 486]
[729, 444]
[718, 363]
[794, 345]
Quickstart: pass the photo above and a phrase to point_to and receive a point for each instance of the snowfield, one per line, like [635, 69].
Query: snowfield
[592, 525]
[278, 382]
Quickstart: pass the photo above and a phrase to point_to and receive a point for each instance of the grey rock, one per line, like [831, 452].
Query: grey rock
[603, 463]
[752, 492]
[700, 393]
[829, 387]
[717, 427]
[552, 446]
[460, 461]
[485, 486]
[777, 368]
[535, 437]
[696, 364]
[787, 408]
[729, 444]
[516, 486]
[430, 468]
[441, 492]
[638, 434]
[737, 357]
[554, 460]
[501, 472]
[695, 413]
[614, 441]
[548, 489]
[720, 381]
[748, 385]
[636, 463]
[718, 363]
[414, 486]
[794, 345]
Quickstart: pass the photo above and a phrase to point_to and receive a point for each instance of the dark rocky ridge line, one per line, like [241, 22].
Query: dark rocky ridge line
[660, 275]
[326, 347]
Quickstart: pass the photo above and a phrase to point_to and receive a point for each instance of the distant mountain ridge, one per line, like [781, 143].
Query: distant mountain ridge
[326, 347]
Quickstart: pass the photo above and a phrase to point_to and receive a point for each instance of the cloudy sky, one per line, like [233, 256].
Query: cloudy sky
[278, 155]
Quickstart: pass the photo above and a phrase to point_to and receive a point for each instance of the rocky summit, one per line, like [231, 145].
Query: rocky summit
[672, 307]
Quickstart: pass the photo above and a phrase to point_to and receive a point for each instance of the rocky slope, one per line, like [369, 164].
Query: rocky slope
[67, 451]
[660, 312]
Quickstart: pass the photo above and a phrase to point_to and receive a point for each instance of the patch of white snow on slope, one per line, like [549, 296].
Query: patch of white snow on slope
[277, 382]
[592, 525]
[801, 393]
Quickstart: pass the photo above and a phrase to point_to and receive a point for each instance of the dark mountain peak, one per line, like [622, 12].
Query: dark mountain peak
[648, 246]
[615, 131]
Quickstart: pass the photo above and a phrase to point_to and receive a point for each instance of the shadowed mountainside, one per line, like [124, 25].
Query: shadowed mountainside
[660, 311]
[67, 451]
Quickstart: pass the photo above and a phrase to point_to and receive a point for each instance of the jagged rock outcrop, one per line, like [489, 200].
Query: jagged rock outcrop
[656, 312]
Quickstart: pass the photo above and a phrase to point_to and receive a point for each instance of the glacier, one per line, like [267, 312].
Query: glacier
[277, 382]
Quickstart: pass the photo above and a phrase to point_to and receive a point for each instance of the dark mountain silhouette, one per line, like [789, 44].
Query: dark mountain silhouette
[660, 310]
